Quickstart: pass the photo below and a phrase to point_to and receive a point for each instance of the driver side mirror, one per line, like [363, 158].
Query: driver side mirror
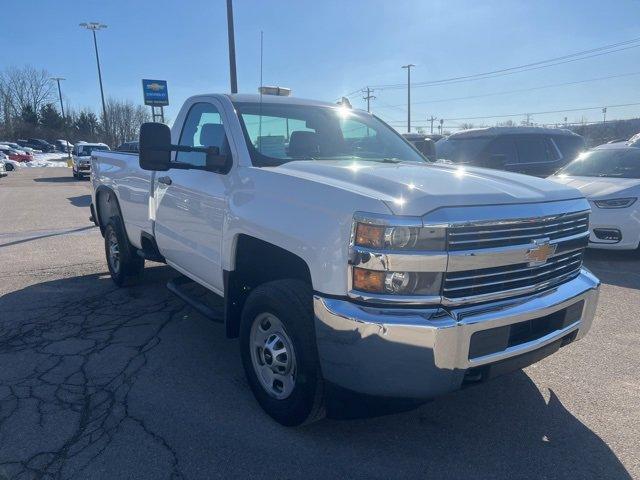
[497, 161]
[427, 147]
[155, 147]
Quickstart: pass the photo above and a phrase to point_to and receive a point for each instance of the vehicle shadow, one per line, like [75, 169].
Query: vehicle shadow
[93, 374]
[80, 200]
[68, 179]
[621, 268]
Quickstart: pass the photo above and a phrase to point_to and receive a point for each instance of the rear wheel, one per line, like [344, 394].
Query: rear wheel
[279, 354]
[122, 260]
[8, 167]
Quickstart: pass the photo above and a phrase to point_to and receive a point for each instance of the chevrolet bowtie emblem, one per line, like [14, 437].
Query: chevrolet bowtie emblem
[539, 254]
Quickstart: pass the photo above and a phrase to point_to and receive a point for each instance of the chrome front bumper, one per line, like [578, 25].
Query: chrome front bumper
[425, 352]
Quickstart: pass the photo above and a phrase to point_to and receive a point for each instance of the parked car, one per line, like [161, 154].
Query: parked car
[37, 144]
[15, 146]
[3, 170]
[610, 179]
[81, 159]
[63, 146]
[131, 147]
[17, 155]
[9, 165]
[341, 255]
[530, 150]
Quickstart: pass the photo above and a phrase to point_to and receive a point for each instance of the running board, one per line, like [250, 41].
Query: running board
[201, 307]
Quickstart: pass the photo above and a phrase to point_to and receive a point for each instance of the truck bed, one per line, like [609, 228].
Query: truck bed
[121, 172]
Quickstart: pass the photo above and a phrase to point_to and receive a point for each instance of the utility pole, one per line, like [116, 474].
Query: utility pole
[604, 115]
[440, 127]
[565, 122]
[368, 98]
[64, 119]
[408, 67]
[431, 119]
[94, 26]
[232, 48]
[528, 121]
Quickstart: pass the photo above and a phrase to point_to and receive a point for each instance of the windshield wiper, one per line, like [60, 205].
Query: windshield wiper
[391, 160]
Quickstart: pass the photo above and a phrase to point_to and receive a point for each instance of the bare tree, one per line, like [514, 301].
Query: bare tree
[26, 87]
[125, 119]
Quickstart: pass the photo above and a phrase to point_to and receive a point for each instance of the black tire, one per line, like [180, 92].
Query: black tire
[8, 167]
[129, 265]
[291, 301]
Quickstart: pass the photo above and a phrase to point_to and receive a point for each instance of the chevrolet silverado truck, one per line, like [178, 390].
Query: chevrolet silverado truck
[343, 257]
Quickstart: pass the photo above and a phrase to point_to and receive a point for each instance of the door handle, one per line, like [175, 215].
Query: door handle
[164, 180]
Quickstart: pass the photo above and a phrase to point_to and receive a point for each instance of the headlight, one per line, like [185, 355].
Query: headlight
[396, 233]
[397, 257]
[397, 283]
[615, 203]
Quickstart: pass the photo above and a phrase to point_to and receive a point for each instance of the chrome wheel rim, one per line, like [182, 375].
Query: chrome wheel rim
[114, 251]
[272, 356]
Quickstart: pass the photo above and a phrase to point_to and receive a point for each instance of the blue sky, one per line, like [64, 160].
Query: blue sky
[324, 49]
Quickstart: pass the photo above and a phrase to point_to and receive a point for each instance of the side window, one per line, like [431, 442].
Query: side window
[503, 146]
[570, 146]
[202, 128]
[270, 135]
[533, 149]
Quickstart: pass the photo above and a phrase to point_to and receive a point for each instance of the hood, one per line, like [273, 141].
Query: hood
[415, 189]
[599, 187]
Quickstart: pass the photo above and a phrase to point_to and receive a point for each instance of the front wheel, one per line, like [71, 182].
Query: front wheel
[279, 354]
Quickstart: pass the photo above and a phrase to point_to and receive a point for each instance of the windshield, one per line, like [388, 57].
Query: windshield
[622, 163]
[280, 133]
[461, 150]
[87, 149]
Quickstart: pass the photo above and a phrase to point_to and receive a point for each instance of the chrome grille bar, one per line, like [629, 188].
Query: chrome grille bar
[487, 282]
[485, 236]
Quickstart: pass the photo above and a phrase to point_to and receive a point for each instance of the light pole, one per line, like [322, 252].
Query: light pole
[64, 119]
[58, 80]
[94, 26]
[232, 48]
[408, 67]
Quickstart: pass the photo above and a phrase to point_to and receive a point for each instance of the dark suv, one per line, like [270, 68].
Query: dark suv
[37, 144]
[530, 150]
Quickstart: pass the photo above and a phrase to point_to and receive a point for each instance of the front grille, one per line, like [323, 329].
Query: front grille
[511, 279]
[518, 232]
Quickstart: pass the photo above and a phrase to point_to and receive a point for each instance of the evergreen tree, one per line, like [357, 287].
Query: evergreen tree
[50, 118]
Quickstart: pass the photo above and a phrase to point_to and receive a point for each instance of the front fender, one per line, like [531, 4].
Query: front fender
[307, 218]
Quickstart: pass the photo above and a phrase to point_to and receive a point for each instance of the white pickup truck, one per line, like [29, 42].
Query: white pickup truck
[343, 256]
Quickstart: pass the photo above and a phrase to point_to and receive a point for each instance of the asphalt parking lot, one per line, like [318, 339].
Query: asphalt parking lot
[101, 382]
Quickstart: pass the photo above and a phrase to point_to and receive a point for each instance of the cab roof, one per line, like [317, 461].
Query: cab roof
[276, 99]
[496, 131]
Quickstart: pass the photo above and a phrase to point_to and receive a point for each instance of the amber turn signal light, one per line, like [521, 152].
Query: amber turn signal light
[368, 280]
[369, 235]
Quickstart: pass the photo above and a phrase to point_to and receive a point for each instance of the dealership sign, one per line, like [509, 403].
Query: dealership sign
[155, 93]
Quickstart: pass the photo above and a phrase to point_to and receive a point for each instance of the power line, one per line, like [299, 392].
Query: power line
[544, 113]
[469, 97]
[539, 63]
[584, 54]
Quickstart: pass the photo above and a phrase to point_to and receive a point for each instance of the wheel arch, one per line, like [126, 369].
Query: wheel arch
[256, 262]
[107, 205]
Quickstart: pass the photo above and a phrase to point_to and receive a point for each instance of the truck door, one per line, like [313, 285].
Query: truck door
[190, 204]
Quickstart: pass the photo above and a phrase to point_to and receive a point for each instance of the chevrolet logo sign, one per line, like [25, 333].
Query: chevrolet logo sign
[156, 87]
[539, 254]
